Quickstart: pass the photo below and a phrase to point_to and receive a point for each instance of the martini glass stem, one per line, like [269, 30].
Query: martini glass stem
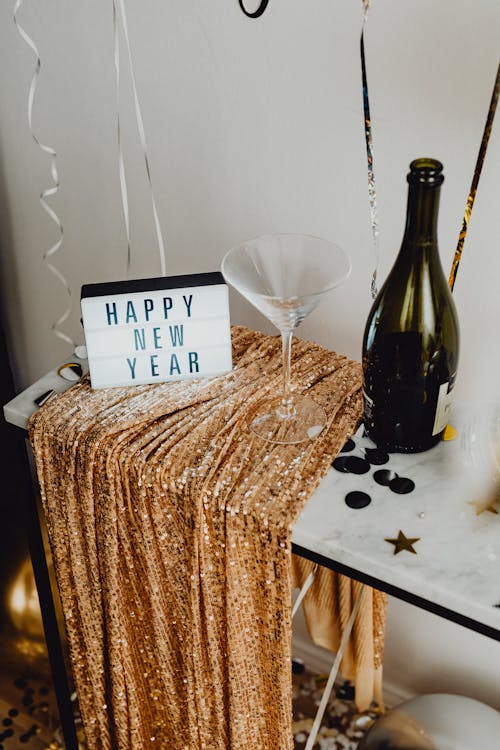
[287, 408]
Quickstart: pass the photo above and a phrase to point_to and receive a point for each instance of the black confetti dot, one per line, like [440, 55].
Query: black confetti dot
[376, 456]
[341, 463]
[13, 712]
[27, 700]
[7, 722]
[44, 690]
[357, 465]
[345, 692]
[44, 397]
[402, 485]
[70, 371]
[357, 499]
[20, 683]
[298, 666]
[384, 477]
[348, 446]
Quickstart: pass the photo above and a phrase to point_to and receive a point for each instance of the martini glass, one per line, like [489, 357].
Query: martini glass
[285, 276]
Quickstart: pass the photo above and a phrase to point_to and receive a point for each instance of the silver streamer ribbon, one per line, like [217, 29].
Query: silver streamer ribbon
[49, 254]
[121, 164]
[311, 741]
[303, 591]
[142, 135]
[372, 194]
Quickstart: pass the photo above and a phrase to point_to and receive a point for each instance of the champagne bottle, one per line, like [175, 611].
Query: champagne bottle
[411, 340]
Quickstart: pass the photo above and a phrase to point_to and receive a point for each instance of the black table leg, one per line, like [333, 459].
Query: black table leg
[28, 497]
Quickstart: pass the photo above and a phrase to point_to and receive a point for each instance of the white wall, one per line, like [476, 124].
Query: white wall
[256, 126]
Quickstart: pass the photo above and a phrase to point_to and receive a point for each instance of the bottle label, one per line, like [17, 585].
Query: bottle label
[367, 406]
[443, 407]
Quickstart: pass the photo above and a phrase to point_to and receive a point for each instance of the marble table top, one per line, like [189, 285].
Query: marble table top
[456, 564]
[19, 409]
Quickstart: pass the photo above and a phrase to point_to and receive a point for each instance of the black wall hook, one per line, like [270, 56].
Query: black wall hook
[256, 13]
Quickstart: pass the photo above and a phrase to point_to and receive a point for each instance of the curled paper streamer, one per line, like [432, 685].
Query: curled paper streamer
[48, 255]
[475, 180]
[372, 193]
[142, 135]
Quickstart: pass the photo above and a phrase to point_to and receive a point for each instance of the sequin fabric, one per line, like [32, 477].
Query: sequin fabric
[170, 528]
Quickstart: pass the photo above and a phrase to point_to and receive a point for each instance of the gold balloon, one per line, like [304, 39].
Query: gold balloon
[22, 603]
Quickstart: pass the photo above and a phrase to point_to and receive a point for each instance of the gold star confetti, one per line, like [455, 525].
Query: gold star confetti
[481, 508]
[450, 433]
[403, 543]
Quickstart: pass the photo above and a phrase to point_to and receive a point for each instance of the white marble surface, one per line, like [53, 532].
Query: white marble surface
[457, 564]
[20, 409]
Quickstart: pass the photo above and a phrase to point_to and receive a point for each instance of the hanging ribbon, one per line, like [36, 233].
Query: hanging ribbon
[313, 734]
[48, 192]
[256, 13]
[372, 194]
[475, 180]
[142, 136]
[121, 164]
[303, 591]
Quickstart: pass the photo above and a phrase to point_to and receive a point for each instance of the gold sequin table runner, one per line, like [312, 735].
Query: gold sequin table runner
[170, 528]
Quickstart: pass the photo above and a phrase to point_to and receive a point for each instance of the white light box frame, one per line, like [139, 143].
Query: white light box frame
[157, 330]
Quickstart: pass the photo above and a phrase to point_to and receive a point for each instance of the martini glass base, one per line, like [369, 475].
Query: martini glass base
[307, 423]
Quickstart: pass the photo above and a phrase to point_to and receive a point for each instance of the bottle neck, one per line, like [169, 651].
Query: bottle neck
[422, 214]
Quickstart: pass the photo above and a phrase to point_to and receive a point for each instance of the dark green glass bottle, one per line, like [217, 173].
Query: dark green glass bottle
[411, 341]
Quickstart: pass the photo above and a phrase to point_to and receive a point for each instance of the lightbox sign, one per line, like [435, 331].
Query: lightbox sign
[156, 330]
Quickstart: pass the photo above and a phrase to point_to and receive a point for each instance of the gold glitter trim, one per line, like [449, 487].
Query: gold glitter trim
[475, 180]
